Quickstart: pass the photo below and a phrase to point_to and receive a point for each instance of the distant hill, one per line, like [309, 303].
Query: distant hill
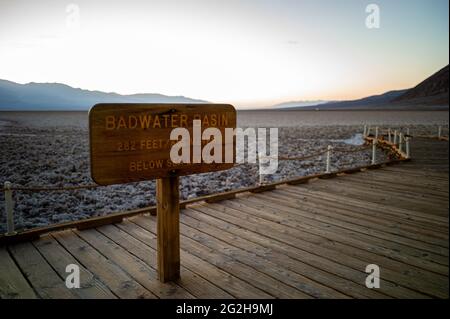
[56, 96]
[430, 94]
[365, 103]
[297, 104]
[434, 90]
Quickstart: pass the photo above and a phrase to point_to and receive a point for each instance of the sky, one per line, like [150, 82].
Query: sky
[251, 53]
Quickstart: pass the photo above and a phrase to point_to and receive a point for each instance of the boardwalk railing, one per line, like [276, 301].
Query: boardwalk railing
[397, 144]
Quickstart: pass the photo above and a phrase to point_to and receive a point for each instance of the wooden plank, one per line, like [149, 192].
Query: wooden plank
[245, 273]
[348, 241]
[411, 171]
[403, 182]
[194, 284]
[258, 277]
[220, 198]
[231, 284]
[167, 198]
[35, 233]
[59, 258]
[394, 182]
[396, 230]
[132, 142]
[335, 245]
[405, 194]
[13, 283]
[358, 255]
[115, 278]
[45, 281]
[384, 175]
[370, 213]
[387, 200]
[367, 216]
[263, 188]
[312, 253]
[141, 272]
[371, 206]
[401, 196]
[345, 232]
[219, 229]
[289, 281]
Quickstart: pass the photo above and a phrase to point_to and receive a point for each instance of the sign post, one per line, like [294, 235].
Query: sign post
[134, 142]
[168, 232]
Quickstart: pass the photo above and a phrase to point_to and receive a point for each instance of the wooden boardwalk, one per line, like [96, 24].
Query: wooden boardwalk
[312, 240]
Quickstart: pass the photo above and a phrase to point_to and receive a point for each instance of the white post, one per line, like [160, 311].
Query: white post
[395, 137]
[400, 142]
[389, 135]
[368, 131]
[365, 131]
[439, 132]
[407, 131]
[408, 155]
[9, 209]
[329, 159]
[374, 151]
[261, 176]
[376, 132]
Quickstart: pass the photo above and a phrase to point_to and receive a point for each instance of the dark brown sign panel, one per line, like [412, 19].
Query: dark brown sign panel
[131, 142]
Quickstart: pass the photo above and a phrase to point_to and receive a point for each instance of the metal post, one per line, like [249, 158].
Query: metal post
[400, 142]
[374, 151]
[329, 159]
[439, 132]
[408, 155]
[9, 206]
[407, 131]
[389, 135]
[365, 131]
[368, 131]
[376, 132]
[395, 137]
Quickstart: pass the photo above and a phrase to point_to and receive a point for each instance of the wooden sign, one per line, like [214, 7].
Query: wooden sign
[132, 142]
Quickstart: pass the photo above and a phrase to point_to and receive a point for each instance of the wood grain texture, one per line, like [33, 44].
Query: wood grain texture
[131, 142]
[12, 283]
[168, 198]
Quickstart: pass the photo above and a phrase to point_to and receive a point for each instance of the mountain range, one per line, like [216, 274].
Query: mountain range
[56, 96]
[432, 93]
[298, 104]
[433, 90]
[364, 103]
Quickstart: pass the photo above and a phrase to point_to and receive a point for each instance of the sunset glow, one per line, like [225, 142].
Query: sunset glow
[249, 53]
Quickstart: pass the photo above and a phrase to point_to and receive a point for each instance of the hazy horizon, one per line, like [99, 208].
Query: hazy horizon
[250, 54]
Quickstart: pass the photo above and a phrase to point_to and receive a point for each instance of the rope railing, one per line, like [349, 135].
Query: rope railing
[294, 158]
[93, 186]
[328, 151]
[439, 135]
[300, 158]
[8, 188]
[398, 140]
[406, 133]
[51, 188]
[355, 150]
